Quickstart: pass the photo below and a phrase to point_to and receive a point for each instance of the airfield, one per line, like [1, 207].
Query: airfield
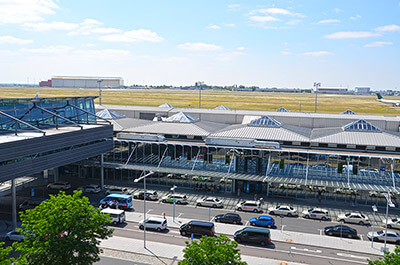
[295, 102]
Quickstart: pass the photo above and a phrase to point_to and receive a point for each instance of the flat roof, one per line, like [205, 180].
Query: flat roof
[46, 100]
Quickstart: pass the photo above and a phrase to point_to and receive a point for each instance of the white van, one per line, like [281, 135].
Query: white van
[117, 216]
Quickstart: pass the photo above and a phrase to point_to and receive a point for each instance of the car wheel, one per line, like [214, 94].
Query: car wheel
[323, 218]
[262, 243]
[135, 197]
[269, 226]
[398, 242]
[253, 224]
[214, 206]
[178, 202]
[289, 215]
[158, 229]
[361, 223]
[307, 216]
[330, 234]
[141, 227]
[164, 201]
[239, 209]
[271, 213]
[389, 226]
[238, 240]
[198, 204]
[255, 210]
[183, 233]
[235, 222]
[341, 220]
[350, 236]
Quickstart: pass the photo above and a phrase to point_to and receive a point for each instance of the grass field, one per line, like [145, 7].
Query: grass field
[211, 99]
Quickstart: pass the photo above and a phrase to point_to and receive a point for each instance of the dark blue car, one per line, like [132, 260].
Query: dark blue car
[263, 220]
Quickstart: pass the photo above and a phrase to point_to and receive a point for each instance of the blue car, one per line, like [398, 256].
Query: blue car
[262, 220]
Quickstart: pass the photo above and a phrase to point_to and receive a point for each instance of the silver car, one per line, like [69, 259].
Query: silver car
[59, 186]
[210, 202]
[92, 188]
[316, 213]
[283, 210]
[392, 236]
[355, 218]
[394, 223]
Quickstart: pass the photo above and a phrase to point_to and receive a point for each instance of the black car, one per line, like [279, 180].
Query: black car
[198, 228]
[253, 235]
[231, 218]
[341, 230]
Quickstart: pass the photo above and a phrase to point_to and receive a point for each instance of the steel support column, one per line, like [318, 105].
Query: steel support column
[14, 204]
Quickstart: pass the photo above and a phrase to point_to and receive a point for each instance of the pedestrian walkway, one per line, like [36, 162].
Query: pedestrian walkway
[157, 252]
[343, 244]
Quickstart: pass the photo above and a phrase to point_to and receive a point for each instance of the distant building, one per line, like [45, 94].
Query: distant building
[333, 90]
[86, 82]
[45, 83]
[363, 90]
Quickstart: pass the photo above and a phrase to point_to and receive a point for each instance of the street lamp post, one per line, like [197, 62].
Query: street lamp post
[388, 203]
[200, 84]
[316, 85]
[144, 199]
[374, 209]
[99, 81]
[173, 195]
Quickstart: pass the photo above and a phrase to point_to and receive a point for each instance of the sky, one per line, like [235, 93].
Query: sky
[253, 43]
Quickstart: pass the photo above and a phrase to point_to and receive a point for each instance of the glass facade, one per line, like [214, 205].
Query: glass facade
[31, 111]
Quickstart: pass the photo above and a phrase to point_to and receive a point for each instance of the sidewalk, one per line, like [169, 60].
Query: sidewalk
[343, 244]
[156, 252]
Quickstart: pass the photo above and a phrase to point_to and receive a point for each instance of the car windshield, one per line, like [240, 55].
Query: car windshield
[347, 214]
[363, 216]
[380, 232]
[311, 209]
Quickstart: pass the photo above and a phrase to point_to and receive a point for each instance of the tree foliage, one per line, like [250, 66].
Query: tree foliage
[4, 252]
[390, 258]
[212, 250]
[65, 229]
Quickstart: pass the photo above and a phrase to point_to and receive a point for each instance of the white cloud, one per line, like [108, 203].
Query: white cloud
[43, 26]
[199, 46]
[106, 30]
[86, 27]
[133, 36]
[355, 17]
[264, 18]
[240, 48]
[293, 22]
[337, 10]
[110, 53]
[233, 6]
[175, 59]
[6, 39]
[22, 11]
[390, 28]
[279, 11]
[229, 56]
[378, 44]
[214, 27]
[317, 53]
[286, 53]
[352, 35]
[230, 25]
[328, 21]
[51, 49]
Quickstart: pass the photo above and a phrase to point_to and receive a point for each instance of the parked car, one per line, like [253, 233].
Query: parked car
[347, 191]
[355, 218]
[283, 210]
[179, 199]
[199, 178]
[154, 223]
[250, 206]
[369, 170]
[254, 235]
[225, 180]
[175, 176]
[15, 235]
[231, 218]
[116, 190]
[341, 230]
[316, 213]
[61, 185]
[394, 223]
[322, 189]
[290, 186]
[210, 202]
[262, 220]
[392, 236]
[29, 204]
[198, 228]
[92, 188]
[150, 195]
[378, 194]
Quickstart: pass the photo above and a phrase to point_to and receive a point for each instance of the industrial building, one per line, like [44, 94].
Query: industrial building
[86, 82]
[254, 151]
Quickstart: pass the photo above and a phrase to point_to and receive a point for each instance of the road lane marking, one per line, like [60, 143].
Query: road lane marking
[246, 223]
[149, 211]
[179, 215]
[306, 249]
[351, 256]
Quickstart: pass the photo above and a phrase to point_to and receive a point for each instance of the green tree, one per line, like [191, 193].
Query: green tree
[390, 258]
[65, 229]
[4, 252]
[212, 250]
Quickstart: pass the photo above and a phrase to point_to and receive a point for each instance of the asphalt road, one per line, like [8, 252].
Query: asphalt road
[277, 250]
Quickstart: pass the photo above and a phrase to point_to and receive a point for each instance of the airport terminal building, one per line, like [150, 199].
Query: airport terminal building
[277, 153]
